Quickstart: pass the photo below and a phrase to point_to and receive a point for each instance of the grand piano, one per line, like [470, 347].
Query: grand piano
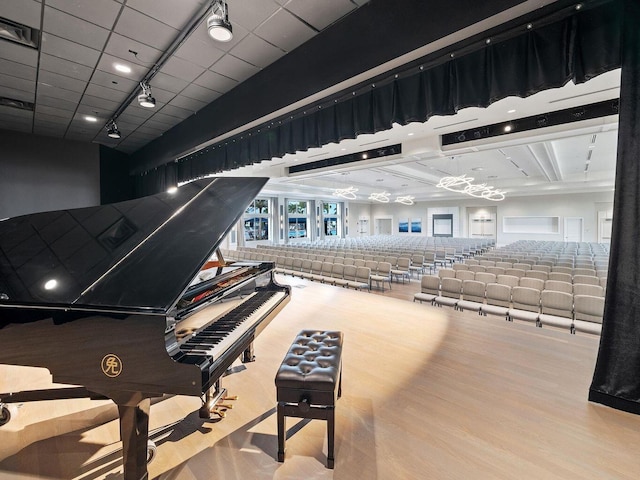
[97, 295]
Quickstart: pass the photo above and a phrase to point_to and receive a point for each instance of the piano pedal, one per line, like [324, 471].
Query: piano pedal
[228, 406]
[232, 397]
[220, 413]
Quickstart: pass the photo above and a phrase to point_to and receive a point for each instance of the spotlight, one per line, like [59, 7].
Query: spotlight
[218, 24]
[145, 99]
[112, 130]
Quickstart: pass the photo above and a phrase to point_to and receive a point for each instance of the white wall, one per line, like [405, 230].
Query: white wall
[40, 174]
[573, 205]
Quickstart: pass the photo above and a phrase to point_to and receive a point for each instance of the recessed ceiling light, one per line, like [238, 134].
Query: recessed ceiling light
[592, 146]
[507, 128]
[364, 155]
[477, 169]
[404, 185]
[513, 110]
[410, 134]
[492, 176]
[122, 68]
[379, 179]
[343, 149]
[89, 118]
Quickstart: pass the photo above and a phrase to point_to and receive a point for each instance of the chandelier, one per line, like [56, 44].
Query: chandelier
[349, 193]
[463, 184]
[382, 197]
[405, 200]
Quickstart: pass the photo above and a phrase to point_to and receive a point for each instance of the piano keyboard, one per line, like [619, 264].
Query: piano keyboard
[206, 345]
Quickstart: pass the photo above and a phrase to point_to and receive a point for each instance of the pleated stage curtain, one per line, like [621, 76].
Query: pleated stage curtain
[577, 48]
[616, 380]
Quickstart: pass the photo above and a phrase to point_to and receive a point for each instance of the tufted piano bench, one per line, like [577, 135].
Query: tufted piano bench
[309, 381]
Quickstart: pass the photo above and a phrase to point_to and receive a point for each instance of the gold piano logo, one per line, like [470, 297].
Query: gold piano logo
[111, 365]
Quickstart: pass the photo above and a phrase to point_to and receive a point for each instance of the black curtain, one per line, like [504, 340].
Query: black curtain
[577, 47]
[616, 381]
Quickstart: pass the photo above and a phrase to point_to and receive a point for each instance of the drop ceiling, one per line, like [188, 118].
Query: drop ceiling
[73, 76]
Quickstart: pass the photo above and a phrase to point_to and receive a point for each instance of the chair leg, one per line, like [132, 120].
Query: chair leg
[330, 434]
[281, 431]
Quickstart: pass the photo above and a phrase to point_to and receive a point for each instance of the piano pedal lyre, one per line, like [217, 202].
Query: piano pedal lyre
[212, 403]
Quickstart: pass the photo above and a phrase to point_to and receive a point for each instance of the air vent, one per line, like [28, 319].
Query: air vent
[10, 102]
[17, 33]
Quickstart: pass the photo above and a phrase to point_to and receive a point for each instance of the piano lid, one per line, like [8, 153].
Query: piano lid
[139, 254]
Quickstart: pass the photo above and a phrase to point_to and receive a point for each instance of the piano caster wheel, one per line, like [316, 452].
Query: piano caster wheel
[151, 451]
[7, 412]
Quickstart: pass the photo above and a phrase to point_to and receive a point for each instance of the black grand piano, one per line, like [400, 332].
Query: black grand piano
[96, 296]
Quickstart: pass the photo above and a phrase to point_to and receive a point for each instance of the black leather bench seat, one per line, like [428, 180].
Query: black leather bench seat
[309, 381]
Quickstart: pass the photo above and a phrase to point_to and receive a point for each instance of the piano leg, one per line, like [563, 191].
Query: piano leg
[134, 431]
[211, 399]
[248, 355]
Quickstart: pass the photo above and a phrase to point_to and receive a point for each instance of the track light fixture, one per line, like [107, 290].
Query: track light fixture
[112, 130]
[145, 99]
[218, 24]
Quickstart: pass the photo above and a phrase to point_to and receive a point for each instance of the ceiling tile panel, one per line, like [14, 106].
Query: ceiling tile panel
[17, 69]
[57, 103]
[107, 64]
[17, 94]
[168, 82]
[256, 51]
[49, 130]
[182, 69]
[52, 120]
[103, 12]
[59, 93]
[65, 67]
[148, 130]
[60, 47]
[62, 81]
[18, 53]
[200, 50]
[187, 103]
[106, 93]
[110, 80]
[215, 81]
[26, 12]
[144, 29]
[16, 113]
[320, 14]
[167, 12]
[176, 111]
[251, 13]
[102, 104]
[15, 126]
[235, 68]
[285, 31]
[159, 126]
[119, 46]
[200, 93]
[53, 112]
[16, 83]
[136, 111]
[165, 119]
[75, 29]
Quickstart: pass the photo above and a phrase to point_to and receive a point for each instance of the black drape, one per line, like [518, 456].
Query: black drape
[577, 47]
[616, 380]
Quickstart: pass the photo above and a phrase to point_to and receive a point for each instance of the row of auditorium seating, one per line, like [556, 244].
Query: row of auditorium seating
[579, 283]
[547, 306]
[495, 272]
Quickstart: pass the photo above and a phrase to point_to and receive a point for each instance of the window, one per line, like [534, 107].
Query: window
[330, 217]
[297, 213]
[256, 220]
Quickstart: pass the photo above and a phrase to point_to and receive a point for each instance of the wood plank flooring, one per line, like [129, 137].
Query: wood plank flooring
[428, 393]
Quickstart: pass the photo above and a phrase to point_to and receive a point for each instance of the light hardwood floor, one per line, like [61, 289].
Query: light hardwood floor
[428, 393]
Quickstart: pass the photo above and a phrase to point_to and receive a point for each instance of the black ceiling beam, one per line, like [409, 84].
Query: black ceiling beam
[374, 34]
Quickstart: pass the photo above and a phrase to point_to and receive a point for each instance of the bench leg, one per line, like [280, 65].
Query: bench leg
[330, 433]
[281, 431]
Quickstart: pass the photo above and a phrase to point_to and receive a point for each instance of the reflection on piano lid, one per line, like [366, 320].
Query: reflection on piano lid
[113, 256]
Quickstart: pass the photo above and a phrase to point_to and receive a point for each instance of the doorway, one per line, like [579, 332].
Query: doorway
[572, 229]
[382, 226]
